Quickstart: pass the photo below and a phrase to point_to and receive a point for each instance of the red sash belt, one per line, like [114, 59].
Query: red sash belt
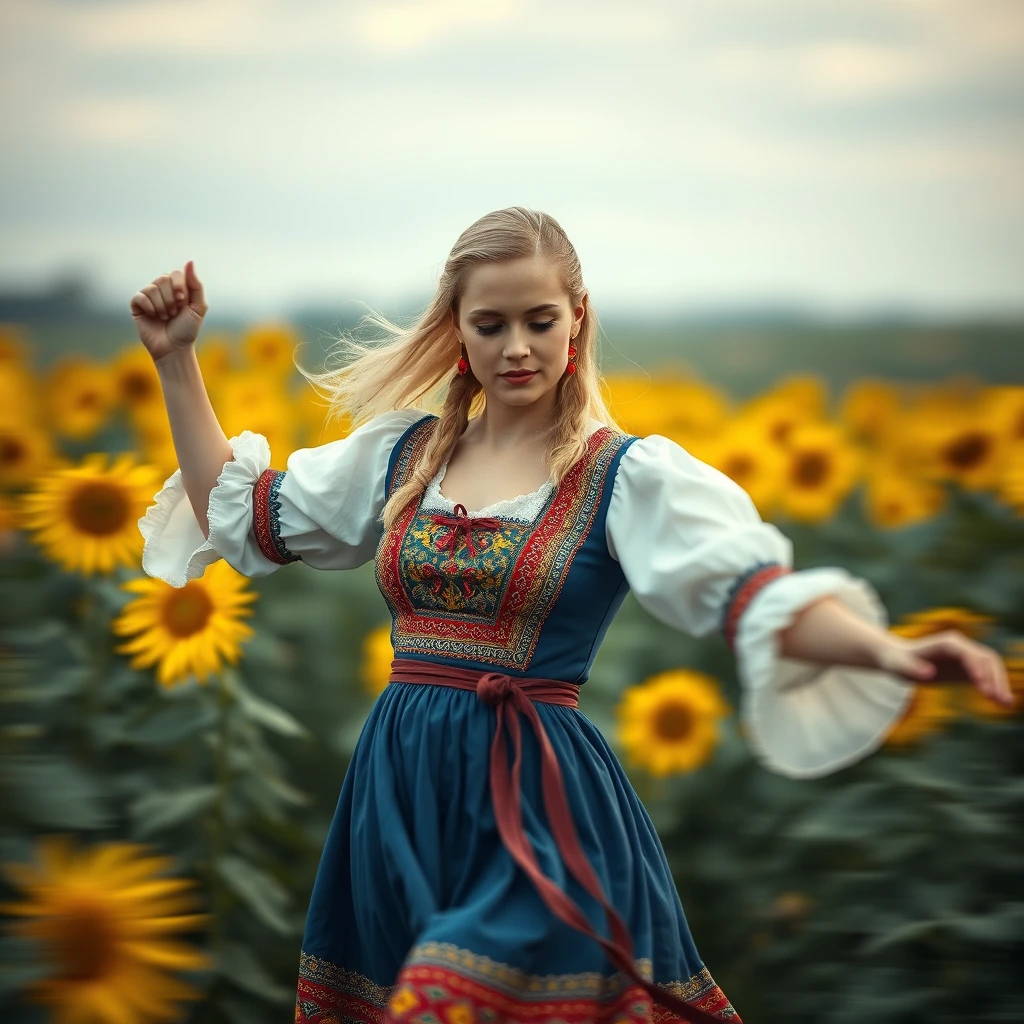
[510, 697]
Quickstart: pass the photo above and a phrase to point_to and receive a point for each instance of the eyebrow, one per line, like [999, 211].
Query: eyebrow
[534, 309]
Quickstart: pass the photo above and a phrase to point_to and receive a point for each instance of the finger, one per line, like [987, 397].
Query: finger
[163, 282]
[1002, 681]
[178, 286]
[140, 305]
[153, 291]
[196, 297]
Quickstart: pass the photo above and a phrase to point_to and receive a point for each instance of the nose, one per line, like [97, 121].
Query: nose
[517, 344]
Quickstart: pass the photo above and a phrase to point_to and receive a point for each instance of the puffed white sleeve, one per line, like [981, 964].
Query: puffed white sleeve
[697, 555]
[322, 509]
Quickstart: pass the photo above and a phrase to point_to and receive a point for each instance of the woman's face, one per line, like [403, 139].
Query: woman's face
[515, 316]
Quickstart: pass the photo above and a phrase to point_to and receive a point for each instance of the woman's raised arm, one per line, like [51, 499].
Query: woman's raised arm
[168, 314]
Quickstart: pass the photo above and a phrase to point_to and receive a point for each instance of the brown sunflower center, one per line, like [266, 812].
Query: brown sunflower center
[88, 399]
[12, 451]
[811, 469]
[739, 467]
[187, 610]
[968, 450]
[98, 508]
[673, 721]
[136, 387]
[85, 942]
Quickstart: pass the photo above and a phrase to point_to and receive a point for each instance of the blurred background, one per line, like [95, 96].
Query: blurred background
[802, 228]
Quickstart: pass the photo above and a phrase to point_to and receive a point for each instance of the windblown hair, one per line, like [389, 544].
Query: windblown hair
[415, 366]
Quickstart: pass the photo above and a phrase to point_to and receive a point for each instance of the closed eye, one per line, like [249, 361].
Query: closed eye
[494, 328]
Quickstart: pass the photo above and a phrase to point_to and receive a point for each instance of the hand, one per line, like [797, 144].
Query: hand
[947, 657]
[169, 312]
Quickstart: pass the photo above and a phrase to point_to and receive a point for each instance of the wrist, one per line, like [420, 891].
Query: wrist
[177, 363]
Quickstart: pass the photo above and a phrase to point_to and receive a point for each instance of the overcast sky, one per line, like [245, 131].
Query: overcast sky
[850, 155]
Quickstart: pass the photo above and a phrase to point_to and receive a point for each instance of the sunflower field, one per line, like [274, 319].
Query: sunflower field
[170, 758]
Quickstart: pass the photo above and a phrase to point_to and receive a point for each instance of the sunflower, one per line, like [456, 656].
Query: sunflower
[966, 445]
[26, 452]
[86, 517]
[869, 410]
[893, 499]
[823, 468]
[216, 357]
[937, 620]
[377, 656]
[1011, 487]
[19, 395]
[80, 395]
[776, 416]
[104, 919]
[189, 630]
[136, 382]
[669, 723]
[928, 710]
[13, 344]
[270, 347]
[741, 453]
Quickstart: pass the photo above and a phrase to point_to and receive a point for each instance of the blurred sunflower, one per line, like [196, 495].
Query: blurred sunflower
[688, 410]
[80, 396]
[670, 722]
[316, 426]
[26, 452]
[270, 347]
[893, 499]
[104, 919]
[86, 517]
[967, 445]
[13, 344]
[927, 712]
[19, 395]
[869, 410]
[1011, 486]
[189, 630]
[1005, 404]
[937, 620]
[741, 453]
[823, 468]
[136, 383]
[8, 523]
[775, 416]
[377, 656]
[807, 391]
[215, 354]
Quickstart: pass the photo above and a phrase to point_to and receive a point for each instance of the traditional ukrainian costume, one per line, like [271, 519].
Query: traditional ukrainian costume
[458, 884]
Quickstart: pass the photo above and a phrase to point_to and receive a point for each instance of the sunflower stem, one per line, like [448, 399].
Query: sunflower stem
[219, 819]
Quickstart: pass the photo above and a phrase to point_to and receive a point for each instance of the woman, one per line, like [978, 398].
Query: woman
[506, 531]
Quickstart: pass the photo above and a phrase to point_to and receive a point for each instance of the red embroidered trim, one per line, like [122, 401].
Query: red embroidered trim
[746, 587]
[442, 982]
[266, 506]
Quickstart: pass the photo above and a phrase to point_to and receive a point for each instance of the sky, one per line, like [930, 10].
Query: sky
[846, 156]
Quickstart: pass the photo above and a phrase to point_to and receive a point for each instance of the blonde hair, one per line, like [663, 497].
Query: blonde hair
[416, 368]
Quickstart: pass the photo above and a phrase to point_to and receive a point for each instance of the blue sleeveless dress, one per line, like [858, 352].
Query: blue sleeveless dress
[418, 912]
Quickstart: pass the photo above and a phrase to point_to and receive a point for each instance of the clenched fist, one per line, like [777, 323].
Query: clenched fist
[169, 312]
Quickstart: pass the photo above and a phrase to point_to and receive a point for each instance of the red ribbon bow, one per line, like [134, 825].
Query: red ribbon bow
[462, 521]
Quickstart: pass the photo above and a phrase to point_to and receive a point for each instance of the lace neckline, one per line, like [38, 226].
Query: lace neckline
[522, 506]
[525, 507]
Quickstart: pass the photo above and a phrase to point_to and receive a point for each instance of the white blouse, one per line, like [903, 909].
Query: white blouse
[686, 536]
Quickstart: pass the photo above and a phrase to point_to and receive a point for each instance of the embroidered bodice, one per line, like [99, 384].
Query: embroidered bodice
[530, 584]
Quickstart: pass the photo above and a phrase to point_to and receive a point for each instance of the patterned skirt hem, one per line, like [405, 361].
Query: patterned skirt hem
[443, 984]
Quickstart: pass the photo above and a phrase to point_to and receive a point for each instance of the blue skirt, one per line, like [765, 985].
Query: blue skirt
[419, 913]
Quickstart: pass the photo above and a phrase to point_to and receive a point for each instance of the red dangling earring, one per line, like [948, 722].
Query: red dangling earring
[571, 366]
[463, 365]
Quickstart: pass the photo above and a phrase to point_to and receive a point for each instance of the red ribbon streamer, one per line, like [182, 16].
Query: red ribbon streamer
[510, 698]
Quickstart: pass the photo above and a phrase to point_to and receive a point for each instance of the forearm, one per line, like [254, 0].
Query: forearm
[828, 632]
[199, 441]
